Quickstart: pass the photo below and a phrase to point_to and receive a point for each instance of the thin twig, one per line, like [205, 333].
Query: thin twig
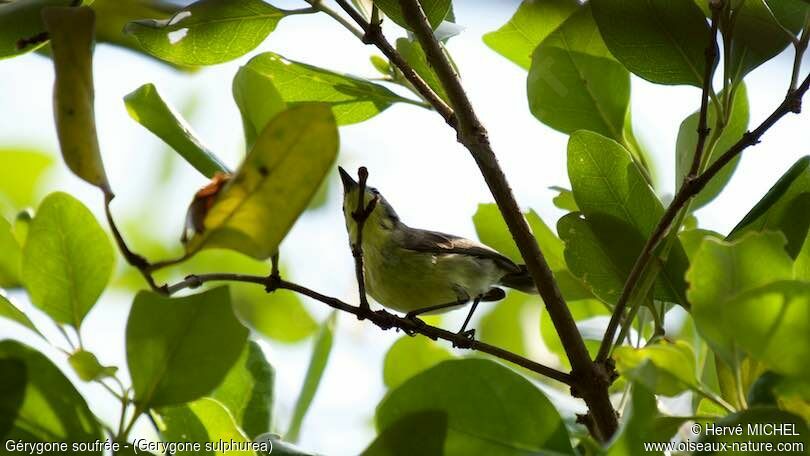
[360, 215]
[374, 36]
[383, 319]
[690, 188]
[591, 380]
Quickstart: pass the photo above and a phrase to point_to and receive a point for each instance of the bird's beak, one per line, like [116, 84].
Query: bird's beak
[348, 182]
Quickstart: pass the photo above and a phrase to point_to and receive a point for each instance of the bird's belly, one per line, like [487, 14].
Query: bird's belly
[409, 281]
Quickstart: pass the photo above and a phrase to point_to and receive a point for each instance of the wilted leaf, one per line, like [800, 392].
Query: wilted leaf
[271, 189]
[71, 32]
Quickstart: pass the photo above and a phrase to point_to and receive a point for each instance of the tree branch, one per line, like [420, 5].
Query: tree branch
[383, 319]
[592, 380]
[373, 35]
[360, 215]
[663, 226]
[691, 186]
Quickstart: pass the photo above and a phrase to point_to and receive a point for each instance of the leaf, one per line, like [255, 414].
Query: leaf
[665, 368]
[207, 32]
[772, 323]
[687, 141]
[490, 409]
[257, 98]
[786, 208]
[617, 203]
[280, 316]
[502, 325]
[420, 433]
[21, 27]
[642, 423]
[756, 35]
[161, 354]
[21, 170]
[317, 364]
[50, 409]
[575, 84]
[414, 55]
[11, 312]
[87, 366]
[564, 199]
[247, 391]
[204, 420]
[753, 422]
[531, 23]
[721, 270]
[11, 259]
[582, 310]
[67, 259]
[352, 99]
[662, 41]
[409, 356]
[435, 11]
[273, 186]
[147, 108]
[71, 32]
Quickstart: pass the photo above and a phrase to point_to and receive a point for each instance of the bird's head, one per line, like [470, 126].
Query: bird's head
[382, 216]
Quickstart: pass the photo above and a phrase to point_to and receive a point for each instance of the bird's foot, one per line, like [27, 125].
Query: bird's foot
[467, 335]
[412, 316]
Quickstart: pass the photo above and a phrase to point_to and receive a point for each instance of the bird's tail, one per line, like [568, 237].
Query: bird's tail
[520, 280]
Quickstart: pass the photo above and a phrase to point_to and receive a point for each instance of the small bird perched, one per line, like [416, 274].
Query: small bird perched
[419, 271]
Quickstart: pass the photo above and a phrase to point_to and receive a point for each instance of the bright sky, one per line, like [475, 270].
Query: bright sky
[413, 160]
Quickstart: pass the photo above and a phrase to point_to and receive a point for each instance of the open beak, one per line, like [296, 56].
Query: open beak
[348, 182]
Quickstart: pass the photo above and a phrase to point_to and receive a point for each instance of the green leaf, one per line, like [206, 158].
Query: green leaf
[273, 186]
[574, 83]
[409, 356]
[691, 239]
[786, 208]
[753, 422]
[49, 409]
[414, 55]
[531, 23]
[207, 32]
[420, 433]
[582, 310]
[352, 99]
[502, 326]
[435, 10]
[11, 312]
[662, 41]
[21, 170]
[756, 35]
[21, 27]
[148, 109]
[280, 316]
[772, 323]
[618, 204]
[204, 420]
[257, 99]
[687, 140]
[721, 270]
[87, 366]
[247, 391]
[642, 423]
[665, 368]
[565, 199]
[317, 364]
[490, 409]
[71, 32]
[67, 259]
[11, 259]
[161, 356]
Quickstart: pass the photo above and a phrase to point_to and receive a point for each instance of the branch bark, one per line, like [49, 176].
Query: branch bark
[383, 319]
[591, 379]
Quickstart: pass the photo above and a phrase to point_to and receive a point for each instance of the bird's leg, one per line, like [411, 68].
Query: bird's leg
[414, 313]
[494, 294]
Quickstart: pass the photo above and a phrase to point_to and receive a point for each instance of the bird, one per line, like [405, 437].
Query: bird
[418, 271]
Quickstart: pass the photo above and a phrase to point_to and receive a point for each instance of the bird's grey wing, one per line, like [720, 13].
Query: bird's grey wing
[442, 243]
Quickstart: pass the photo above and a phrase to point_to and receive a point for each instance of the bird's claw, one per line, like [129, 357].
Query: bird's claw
[468, 335]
